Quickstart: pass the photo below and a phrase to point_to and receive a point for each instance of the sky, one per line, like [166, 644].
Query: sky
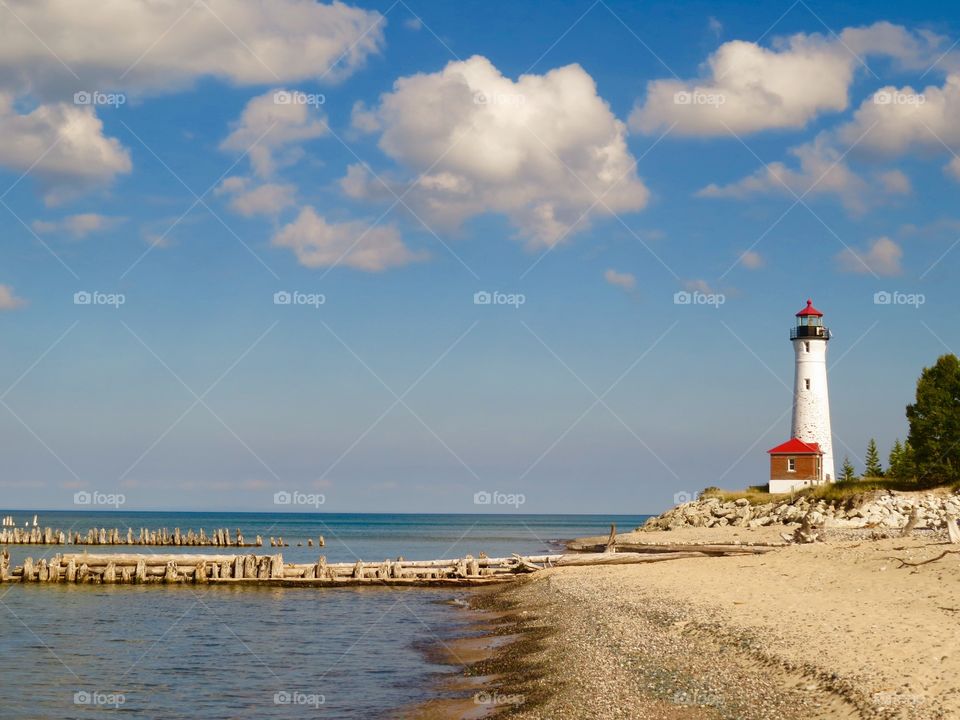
[460, 257]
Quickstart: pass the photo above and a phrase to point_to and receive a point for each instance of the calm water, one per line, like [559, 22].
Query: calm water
[184, 652]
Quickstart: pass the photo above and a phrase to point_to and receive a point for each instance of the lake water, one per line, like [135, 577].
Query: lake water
[214, 652]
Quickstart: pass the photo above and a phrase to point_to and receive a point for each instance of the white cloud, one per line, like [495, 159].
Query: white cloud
[895, 182]
[539, 150]
[265, 199]
[698, 286]
[894, 120]
[318, 243]
[953, 168]
[880, 257]
[60, 144]
[821, 171]
[624, 280]
[752, 260]
[9, 300]
[78, 226]
[746, 88]
[160, 45]
[269, 125]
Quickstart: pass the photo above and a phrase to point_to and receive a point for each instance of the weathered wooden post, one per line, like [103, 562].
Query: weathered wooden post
[110, 573]
[276, 566]
[71, 574]
[140, 573]
[170, 574]
[200, 576]
[27, 570]
[358, 570]
[250, 566]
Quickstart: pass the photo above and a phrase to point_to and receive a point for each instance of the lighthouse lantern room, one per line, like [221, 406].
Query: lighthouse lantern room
[807, 458]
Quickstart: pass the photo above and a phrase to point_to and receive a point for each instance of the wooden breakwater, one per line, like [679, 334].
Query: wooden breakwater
[220, 537]
[255, 569]
[272, 570]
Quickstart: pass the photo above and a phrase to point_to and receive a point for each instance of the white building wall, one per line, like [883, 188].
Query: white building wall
[811, 407]
[785, 486]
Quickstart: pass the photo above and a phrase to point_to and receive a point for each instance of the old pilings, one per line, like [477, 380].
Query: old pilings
[220, 537]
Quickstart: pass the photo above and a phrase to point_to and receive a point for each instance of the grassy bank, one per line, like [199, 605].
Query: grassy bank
[839, 492]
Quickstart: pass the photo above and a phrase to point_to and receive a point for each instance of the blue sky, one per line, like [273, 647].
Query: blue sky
[593, 158]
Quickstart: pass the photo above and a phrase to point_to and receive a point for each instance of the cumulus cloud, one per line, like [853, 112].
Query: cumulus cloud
[752, 260]
[318, 243]
[9, 299]
[880, 257]
[150, 46]
[271, 128]
[540, 149]
[77, 226]
[747, 88]
[953, 168]
[624, 280]
[60, 144]
[265, 199]
[821, 171]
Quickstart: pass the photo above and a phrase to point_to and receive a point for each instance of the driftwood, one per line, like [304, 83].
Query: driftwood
[620, 558]
[953, 532]
[911, 522]
[906, 563]
[809, 530]
[612, 540]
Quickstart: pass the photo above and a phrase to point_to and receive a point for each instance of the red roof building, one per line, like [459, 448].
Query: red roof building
[795, 465]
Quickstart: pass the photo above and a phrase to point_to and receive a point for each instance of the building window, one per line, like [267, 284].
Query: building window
[791, 464]
[806, 383]
[806, 346]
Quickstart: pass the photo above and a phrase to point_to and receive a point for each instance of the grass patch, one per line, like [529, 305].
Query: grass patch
[755, 495]
[843, 492]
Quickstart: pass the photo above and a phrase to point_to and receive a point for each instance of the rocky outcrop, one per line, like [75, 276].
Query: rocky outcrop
[872, 510]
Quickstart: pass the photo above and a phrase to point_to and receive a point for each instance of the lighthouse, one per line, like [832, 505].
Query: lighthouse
[807, 458]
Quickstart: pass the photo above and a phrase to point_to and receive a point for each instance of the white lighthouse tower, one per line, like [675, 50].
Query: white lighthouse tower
[811, 401]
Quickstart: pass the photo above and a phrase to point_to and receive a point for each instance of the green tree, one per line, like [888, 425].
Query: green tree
[872, 461]
[847, 471]
[935, 422]
[895, 460]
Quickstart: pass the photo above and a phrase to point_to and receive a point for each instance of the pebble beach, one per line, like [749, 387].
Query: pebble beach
[836, 629]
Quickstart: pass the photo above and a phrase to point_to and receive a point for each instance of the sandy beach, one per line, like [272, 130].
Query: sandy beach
[829, 630]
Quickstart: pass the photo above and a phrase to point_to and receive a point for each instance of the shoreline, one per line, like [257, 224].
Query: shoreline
[831, 630]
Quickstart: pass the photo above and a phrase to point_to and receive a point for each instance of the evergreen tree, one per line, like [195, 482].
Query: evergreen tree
[895, 461]
[935, 422]
[847, 471]
[872, 461]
